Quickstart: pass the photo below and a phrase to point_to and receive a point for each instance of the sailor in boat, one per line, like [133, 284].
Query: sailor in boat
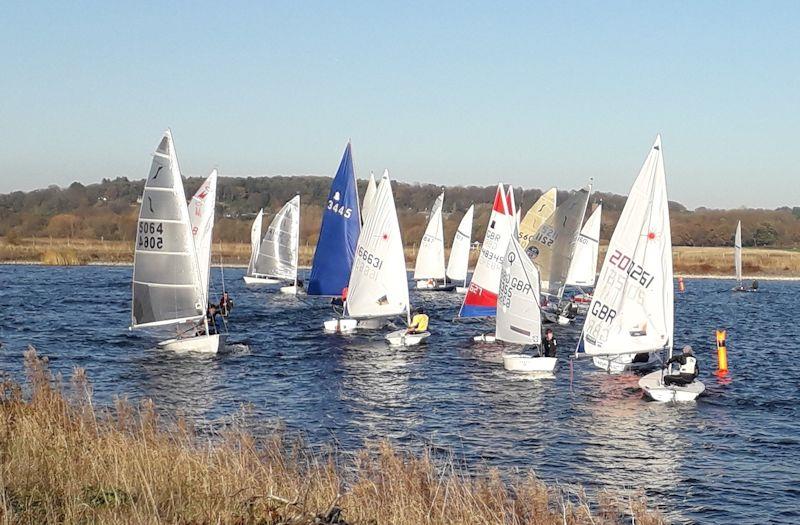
[754, 286]
[549, 345]
[688, 370]
[225, 304]
[211, 320]
[338, 302]
[419, 323]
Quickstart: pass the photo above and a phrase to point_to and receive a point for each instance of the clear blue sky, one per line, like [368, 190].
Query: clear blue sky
[450, 93]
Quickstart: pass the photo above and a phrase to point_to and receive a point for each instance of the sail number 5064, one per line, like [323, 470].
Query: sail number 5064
[634, 271]
[150, 235]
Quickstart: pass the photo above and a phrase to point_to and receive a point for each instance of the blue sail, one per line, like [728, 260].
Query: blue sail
[338, 235]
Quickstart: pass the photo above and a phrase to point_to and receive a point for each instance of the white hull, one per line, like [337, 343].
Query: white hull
[438, 286]
[624, 363]
[655, 389]
[461, 289]
[485, 338]
[249, 280]
[206, 344]
[401, 338]
[340, 326]
[564, 321]
[529, 364]
[291, 290]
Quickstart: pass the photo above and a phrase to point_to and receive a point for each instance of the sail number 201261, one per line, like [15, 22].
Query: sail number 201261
[150, 235]
[634, 271]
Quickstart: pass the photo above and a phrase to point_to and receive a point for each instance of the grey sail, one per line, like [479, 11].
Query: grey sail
[167, 286]
[277, 256]
[554, 244]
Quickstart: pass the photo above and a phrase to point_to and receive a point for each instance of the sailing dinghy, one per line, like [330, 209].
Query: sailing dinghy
[275, 260]
[552, 249]
[172, 256]
[737, 261]
[519, 320]
[251, 278]
[631, 317]
[583, 268]
[429, 270]
[458, 264]
[369, 194]
[378, 288]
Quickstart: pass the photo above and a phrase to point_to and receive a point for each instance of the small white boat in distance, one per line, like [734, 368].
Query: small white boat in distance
[275, 259]
[251, 278]
[429, 270]
[654, 388]
[403, 338]
[485, 338]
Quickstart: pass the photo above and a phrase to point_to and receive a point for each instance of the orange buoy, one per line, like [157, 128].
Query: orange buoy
[722, 351]
[681, 286]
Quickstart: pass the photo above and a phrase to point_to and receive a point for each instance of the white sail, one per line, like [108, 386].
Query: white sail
[553, 245]
[737, 252]
[430, 258]
[519, 320]
[583, 268]
[541, 210]
[458, 264]
[277, 255]
[201, 217]
[255, 242]
[167, 287]
[632, 307]
[369, 195]
[378, 283]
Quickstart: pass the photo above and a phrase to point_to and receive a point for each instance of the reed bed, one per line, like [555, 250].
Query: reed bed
[65, 460]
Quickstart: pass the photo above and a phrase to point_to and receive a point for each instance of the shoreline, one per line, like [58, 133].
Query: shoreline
[719, 277]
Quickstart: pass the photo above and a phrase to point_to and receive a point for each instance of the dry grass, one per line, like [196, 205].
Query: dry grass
[688, 260]
[66, 461]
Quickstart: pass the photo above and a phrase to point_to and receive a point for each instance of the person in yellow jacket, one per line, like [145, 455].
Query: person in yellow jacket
[419, 323]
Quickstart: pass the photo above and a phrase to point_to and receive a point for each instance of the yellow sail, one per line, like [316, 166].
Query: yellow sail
[541, 210]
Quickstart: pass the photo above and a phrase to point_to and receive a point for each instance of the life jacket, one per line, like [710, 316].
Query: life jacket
[689, 365]
[420, 322]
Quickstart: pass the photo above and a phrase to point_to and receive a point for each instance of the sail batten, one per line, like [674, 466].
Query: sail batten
[632, 306]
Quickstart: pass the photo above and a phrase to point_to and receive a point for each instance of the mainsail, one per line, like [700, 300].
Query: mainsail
[541, 210]
[277, 256]
[201, 218]
[430, 258]
[519, 320]
[255, 242]
[552, 246]
[338, 234]
[632, 307]
[458, 263]
[369, 194]
[583, 268]
[737, 252]
[481, 297]
[378, 283]
[167, 287]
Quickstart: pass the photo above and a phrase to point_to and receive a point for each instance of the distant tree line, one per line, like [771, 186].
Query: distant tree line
[108, 210]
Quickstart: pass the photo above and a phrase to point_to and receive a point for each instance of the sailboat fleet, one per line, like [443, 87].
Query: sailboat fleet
[523, 268]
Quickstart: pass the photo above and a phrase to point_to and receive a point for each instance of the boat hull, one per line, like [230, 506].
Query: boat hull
[529, 364]
[249, 280]
[401, 338]
[205, 344]
[654, 388]
[625, 363]
[435, 287]
[340, 326]
[485, 338]
[291, 290]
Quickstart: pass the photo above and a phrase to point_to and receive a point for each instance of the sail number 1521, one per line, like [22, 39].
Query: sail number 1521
[634, 271]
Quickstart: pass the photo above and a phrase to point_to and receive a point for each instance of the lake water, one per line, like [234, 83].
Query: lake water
[732, 456]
